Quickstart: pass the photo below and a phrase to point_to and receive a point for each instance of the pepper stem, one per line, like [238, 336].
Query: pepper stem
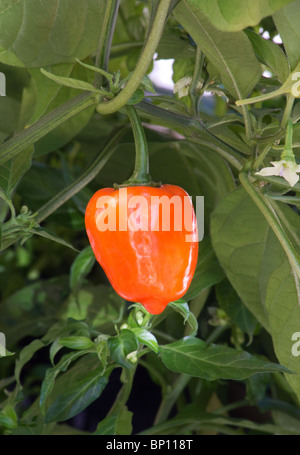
[140, 174]
[288, 153]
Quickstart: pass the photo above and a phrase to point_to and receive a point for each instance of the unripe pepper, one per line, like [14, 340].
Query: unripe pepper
[145, 239]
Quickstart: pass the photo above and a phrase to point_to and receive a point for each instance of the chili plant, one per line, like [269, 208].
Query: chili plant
[80, 113]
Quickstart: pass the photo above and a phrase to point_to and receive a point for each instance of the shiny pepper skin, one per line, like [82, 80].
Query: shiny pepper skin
[145, 260]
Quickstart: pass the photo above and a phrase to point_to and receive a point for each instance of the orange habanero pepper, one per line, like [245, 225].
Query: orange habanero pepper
[143, 244]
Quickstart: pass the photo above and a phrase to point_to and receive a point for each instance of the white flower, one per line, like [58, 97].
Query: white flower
[182, 86]
[283, 168]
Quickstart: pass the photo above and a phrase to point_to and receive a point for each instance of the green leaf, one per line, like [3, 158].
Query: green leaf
[232, 135]
[208, 271]
[102, 352]
[50, 236]
[246, 248]
[42, 91]
[137, 97]
[286, 421]
[48, 32]
[116, 424]
[122, 345]
[69, 82]
[51, 374]
[44, 95]
[172, 46]
[213, 175]
[76, 389]
[8, 417]
[81, 267]
[54, 349]
[231, 303]
[147, 84]
[194, 357]
[9, 114]
[183, 309]
[231, 53]
[192, 415]
[99, 304]
[12, 171]
[270, 54]
[32, 310]
[145, 337]
[108, 76]
[235, 15]
[193, 168]
[257, 386]
[40, 184]
[76, 342]
[259, 270]
[81, 198]
[26, 355]
[287, 22]
[282, 302]
[66, 327]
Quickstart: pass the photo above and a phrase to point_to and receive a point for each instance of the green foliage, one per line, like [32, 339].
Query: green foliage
[116, 424]
[230, 53]
[72, 342]
[231, 15]
[194, 357]
[287, 21]
[48, 35]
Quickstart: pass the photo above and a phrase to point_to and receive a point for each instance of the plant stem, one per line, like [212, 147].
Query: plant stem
[143, 64]
[216, 333]
[231, 406]
[170, 399]
[106, 36]
[288, 110]
[197, 71]
[288, 146]
[140, 174]
[83, 180]
[259, 98]
[195, 79]
[247, 121]
[49, 122]
[125, 390]
[163, 335]
[261, 156]
[182, 122]
[290, 200]
[271, 217]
